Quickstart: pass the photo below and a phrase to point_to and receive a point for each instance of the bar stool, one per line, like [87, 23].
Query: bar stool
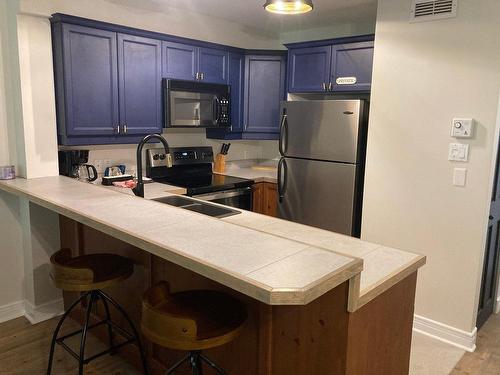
[192, 321]
[89, 274]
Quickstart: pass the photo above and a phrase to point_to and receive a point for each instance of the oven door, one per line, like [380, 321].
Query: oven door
[238, 198]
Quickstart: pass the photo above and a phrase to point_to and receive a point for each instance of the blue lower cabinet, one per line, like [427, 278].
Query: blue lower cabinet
[352, 66]
[263, 85]
[139, 73]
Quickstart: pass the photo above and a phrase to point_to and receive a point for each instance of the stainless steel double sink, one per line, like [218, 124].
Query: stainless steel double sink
[197, 206]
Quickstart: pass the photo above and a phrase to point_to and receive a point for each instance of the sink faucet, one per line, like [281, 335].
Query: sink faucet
[139, 189]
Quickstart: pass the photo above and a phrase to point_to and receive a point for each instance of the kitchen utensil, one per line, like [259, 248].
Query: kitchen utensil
[220, 163]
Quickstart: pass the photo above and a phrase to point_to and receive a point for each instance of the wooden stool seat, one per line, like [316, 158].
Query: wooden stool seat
[191, 320]
[88, 272]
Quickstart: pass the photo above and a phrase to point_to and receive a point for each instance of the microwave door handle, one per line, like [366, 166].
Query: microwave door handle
[216, 106]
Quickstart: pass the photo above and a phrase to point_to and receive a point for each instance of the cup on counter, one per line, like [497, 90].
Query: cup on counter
[7, 172]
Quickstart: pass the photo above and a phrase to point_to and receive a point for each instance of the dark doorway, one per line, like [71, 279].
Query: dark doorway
[490, 266]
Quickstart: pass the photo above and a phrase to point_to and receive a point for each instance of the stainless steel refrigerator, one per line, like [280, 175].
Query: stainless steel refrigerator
[320, 174]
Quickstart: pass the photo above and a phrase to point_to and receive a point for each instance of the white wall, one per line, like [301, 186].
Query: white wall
[169, 21]
[336, 30]
[424, 75]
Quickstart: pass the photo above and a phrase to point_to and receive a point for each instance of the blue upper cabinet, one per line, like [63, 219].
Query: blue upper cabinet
[264, 90]
[88, 59]
[212, 65]
[352, 66]
[180, 61]
[188, 62]
[257, 83]
[139, 74]
[309, 69]
[337, 65]
[236, 82]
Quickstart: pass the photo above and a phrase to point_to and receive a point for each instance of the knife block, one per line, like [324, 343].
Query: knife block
[220, 163]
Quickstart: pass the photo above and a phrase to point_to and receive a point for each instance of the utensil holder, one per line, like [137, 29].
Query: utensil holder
[220, 163]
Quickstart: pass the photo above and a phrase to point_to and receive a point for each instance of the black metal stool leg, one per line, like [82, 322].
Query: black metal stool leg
[81, 360]
[176, 365]
[134, 330]
[212, 364]
[196, 365]
[58, 327]
[108, 319]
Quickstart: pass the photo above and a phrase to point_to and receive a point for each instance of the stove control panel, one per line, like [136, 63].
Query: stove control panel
[156, 157]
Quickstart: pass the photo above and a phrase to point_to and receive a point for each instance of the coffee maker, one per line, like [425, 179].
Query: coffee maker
[73, 162]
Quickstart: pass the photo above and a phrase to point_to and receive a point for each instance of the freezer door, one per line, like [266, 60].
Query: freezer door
[321, 129]
[317, 193]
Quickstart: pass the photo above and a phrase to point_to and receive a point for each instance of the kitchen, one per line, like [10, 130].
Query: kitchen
[267, 80]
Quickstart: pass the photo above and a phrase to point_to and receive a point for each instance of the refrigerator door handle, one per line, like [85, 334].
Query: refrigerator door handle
[282, 145]
[282, 182]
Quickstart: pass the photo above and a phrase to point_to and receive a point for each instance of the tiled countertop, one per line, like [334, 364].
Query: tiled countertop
[272, 260]
[257, 170]
[269, 268]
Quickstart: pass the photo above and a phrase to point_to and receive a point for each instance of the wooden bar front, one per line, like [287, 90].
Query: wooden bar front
[319, 338]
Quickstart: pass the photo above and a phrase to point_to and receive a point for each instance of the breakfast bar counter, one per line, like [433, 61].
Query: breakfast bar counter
[312, 308]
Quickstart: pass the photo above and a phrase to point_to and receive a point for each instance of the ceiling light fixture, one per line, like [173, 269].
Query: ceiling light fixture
[288, 6]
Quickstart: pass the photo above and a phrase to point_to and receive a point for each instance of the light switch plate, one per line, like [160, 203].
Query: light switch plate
[462, 128]
[459, 176]
[458, 152]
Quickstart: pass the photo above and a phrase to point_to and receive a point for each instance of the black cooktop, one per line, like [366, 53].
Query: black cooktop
[205, 183]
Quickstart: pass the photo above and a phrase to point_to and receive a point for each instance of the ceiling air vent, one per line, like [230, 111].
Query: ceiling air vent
[425, 10]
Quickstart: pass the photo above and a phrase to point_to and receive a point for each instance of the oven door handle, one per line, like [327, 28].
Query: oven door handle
[223, 194]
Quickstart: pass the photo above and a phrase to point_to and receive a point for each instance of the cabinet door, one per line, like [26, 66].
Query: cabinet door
[180, 61]
[264, 90]
[352, 66]
[258, 198]
[236, 78]
[90, 80]
[139, 63]
[212, 63]
[309, 69]
[271, 199]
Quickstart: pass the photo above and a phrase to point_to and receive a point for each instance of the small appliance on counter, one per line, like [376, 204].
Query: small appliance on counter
[73, 163]
[7, 172]
[192, 169]
[116, 173]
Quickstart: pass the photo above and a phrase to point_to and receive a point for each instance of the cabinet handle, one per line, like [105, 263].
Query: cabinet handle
[324, 86]
[124, 129]
[330, 86]
[202, 75]
[197, 76]
[118, 129]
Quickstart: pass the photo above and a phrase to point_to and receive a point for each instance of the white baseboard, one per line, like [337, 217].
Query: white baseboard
[453, 336]
[46, 311]
[497, 306]
[11, 311]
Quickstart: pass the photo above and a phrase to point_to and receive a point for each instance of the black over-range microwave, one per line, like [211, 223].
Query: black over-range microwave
[188, 104]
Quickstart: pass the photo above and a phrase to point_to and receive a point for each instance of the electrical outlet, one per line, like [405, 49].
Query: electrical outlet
[246, 154]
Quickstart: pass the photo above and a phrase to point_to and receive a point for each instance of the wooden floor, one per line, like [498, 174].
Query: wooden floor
[486, 359]
[24, 350]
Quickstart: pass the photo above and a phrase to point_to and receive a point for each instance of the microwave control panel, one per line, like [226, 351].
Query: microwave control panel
[224, 111]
